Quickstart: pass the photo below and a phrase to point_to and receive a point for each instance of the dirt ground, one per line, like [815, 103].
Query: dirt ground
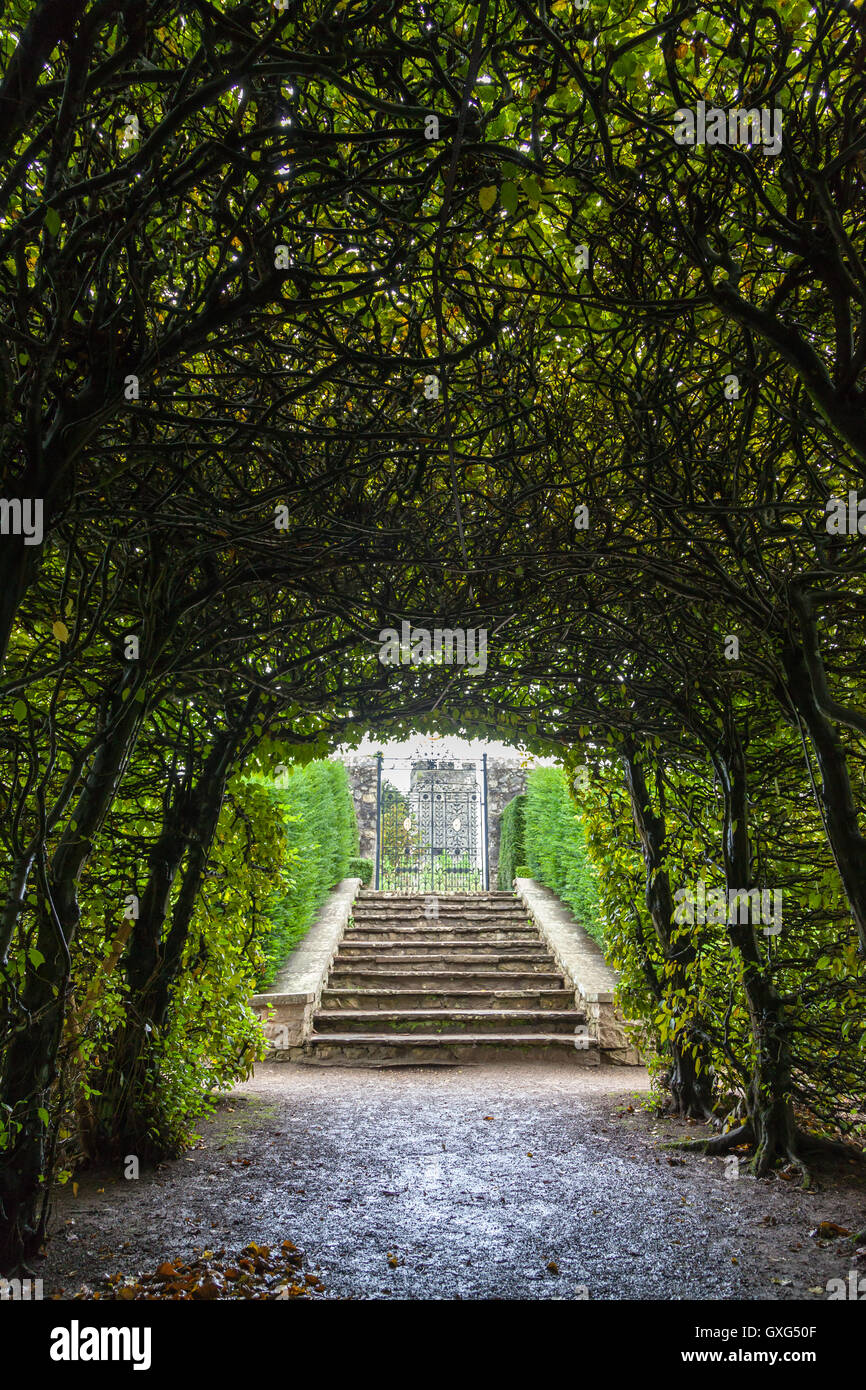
[516, 1181]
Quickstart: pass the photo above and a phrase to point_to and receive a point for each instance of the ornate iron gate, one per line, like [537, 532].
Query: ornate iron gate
[432, 835]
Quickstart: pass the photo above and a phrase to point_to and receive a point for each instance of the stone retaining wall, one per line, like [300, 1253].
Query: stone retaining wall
[287, 1009]
[581, 961]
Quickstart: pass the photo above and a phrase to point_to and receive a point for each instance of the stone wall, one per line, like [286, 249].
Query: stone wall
[505, 780]
[362, 783]
[582, 963]
[287, 1009]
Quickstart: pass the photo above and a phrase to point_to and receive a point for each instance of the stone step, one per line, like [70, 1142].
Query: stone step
[468, 951]
[456, 998]
[442, 919]
[373, 921]
[395, 909]
[358, 977]
[456, 914]
[448, 1022]
[418, 1049]
[453, 902]
[444, 937]
[483, 895]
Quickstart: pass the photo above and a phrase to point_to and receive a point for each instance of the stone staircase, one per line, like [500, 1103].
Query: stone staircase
[460, 977]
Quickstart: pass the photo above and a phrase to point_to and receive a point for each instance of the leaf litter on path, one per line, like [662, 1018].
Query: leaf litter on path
[258, 1271]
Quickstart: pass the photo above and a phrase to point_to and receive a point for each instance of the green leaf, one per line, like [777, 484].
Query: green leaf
[52, 221]
[19, 709]
[43, 1115]
[487, 196]
[508, 196]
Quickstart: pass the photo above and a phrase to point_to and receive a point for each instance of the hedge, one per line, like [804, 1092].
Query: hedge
[362, 869]
[321, 838]
[511, 852]
[555, 846]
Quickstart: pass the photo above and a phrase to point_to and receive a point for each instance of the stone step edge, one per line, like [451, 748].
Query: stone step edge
[583, 1044]
[366, 951]
[432, 928]
[442, 973]
[452, 1015]
[482, 993]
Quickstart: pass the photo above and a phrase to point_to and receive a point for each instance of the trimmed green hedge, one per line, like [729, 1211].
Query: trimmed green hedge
[511, 852]
[321, 839]
[362, 869]
[555, 846]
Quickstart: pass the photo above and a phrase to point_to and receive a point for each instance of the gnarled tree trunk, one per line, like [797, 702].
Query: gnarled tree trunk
[691, 1081]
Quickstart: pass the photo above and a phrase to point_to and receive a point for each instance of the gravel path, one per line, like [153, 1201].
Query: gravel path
[517, 1181]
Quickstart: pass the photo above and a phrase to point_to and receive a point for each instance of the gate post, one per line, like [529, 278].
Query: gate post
[378, 816]
[484, 821]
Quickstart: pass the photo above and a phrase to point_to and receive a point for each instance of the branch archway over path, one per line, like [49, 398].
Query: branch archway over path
[268, 394]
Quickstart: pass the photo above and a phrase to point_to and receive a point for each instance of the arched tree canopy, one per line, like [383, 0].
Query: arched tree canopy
[324, 320]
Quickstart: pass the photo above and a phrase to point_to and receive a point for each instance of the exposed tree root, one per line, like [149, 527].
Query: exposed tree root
[836, 1148]
[718, 1143]
[768, 1153]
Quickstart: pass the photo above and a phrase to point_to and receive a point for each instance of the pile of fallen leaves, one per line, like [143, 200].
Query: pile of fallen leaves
[259, 1271]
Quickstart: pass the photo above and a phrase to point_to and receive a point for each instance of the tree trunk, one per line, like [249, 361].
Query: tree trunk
[770, 1109]
[691, 1082]
[30, 1066]
[836, 800]
[129, 1085]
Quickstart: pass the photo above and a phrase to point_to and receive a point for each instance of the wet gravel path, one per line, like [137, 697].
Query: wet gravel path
[527, 1182]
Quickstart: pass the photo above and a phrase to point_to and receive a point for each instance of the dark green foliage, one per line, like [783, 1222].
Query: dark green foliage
[511, 844]
[362, 869]
[321, 840]
[556, 851]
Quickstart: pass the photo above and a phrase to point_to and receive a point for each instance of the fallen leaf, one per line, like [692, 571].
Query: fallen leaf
[828, 1230]
[207, 1290]
[553, 1266]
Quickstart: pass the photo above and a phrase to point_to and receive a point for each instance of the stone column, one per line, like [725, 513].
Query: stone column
[505, 780]
[362, 783]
